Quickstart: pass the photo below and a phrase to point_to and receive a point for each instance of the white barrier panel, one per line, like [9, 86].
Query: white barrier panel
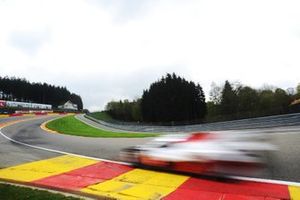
[17, 104]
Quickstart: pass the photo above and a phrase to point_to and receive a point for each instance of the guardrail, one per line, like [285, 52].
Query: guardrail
[251, 123]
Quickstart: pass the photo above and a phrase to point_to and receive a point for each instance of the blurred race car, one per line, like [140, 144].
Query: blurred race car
[202, 153]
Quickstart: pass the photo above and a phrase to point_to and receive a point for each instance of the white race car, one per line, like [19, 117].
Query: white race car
[202, 153]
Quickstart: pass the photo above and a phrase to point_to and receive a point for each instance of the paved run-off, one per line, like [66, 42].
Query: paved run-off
[106, 179]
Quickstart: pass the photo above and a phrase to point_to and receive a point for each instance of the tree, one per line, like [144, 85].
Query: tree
[228, 104]
[266, 102]
[247, 99]
[124, 110]
[281, 101]
[19, 89]
[74, 98]
[172, 98]
[136, 112]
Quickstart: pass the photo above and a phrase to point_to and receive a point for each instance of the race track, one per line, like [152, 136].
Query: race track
[29, 132]
[283, 164]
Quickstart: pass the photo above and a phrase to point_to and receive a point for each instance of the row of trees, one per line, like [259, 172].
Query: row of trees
[19, 89]
[125, 110]
[235, 101]
[173, 99]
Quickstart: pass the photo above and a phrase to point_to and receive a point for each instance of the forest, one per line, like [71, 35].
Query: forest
[19, 89]
[176, 100]
[170, 99]
[238, 101]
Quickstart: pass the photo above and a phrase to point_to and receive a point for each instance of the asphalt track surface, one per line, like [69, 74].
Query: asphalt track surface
[13, 154]
[29, 132]
[282, 164]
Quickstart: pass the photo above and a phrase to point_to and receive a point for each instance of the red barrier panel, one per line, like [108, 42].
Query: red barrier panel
[2, 104]
[64, 113]
[40, 113]
[15, 114]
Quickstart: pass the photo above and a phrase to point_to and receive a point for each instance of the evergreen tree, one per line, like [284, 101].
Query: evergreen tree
[173, 99]
[19, 89]
[228, 100]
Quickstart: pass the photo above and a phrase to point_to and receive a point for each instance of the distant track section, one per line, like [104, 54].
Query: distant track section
[251, 123]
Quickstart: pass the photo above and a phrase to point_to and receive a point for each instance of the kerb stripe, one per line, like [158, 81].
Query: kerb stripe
[40, 169]
[83, 177]
[138, 184]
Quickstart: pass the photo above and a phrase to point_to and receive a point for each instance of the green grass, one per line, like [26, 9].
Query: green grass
[12, 192]
[72, 126]
[104, 116]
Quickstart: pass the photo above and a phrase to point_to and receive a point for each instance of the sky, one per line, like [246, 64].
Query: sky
[107, 50]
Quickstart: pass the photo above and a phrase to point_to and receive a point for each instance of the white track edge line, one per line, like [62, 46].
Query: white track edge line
[261, 180]
[124, 163]
[60, 152]
[98, 127]
[108, 128]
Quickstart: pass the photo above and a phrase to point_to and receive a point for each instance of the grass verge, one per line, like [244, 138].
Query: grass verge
[12, 192]
[102, 116]
[72, 126]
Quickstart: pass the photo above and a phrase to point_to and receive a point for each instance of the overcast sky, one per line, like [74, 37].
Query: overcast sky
[106, 49]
